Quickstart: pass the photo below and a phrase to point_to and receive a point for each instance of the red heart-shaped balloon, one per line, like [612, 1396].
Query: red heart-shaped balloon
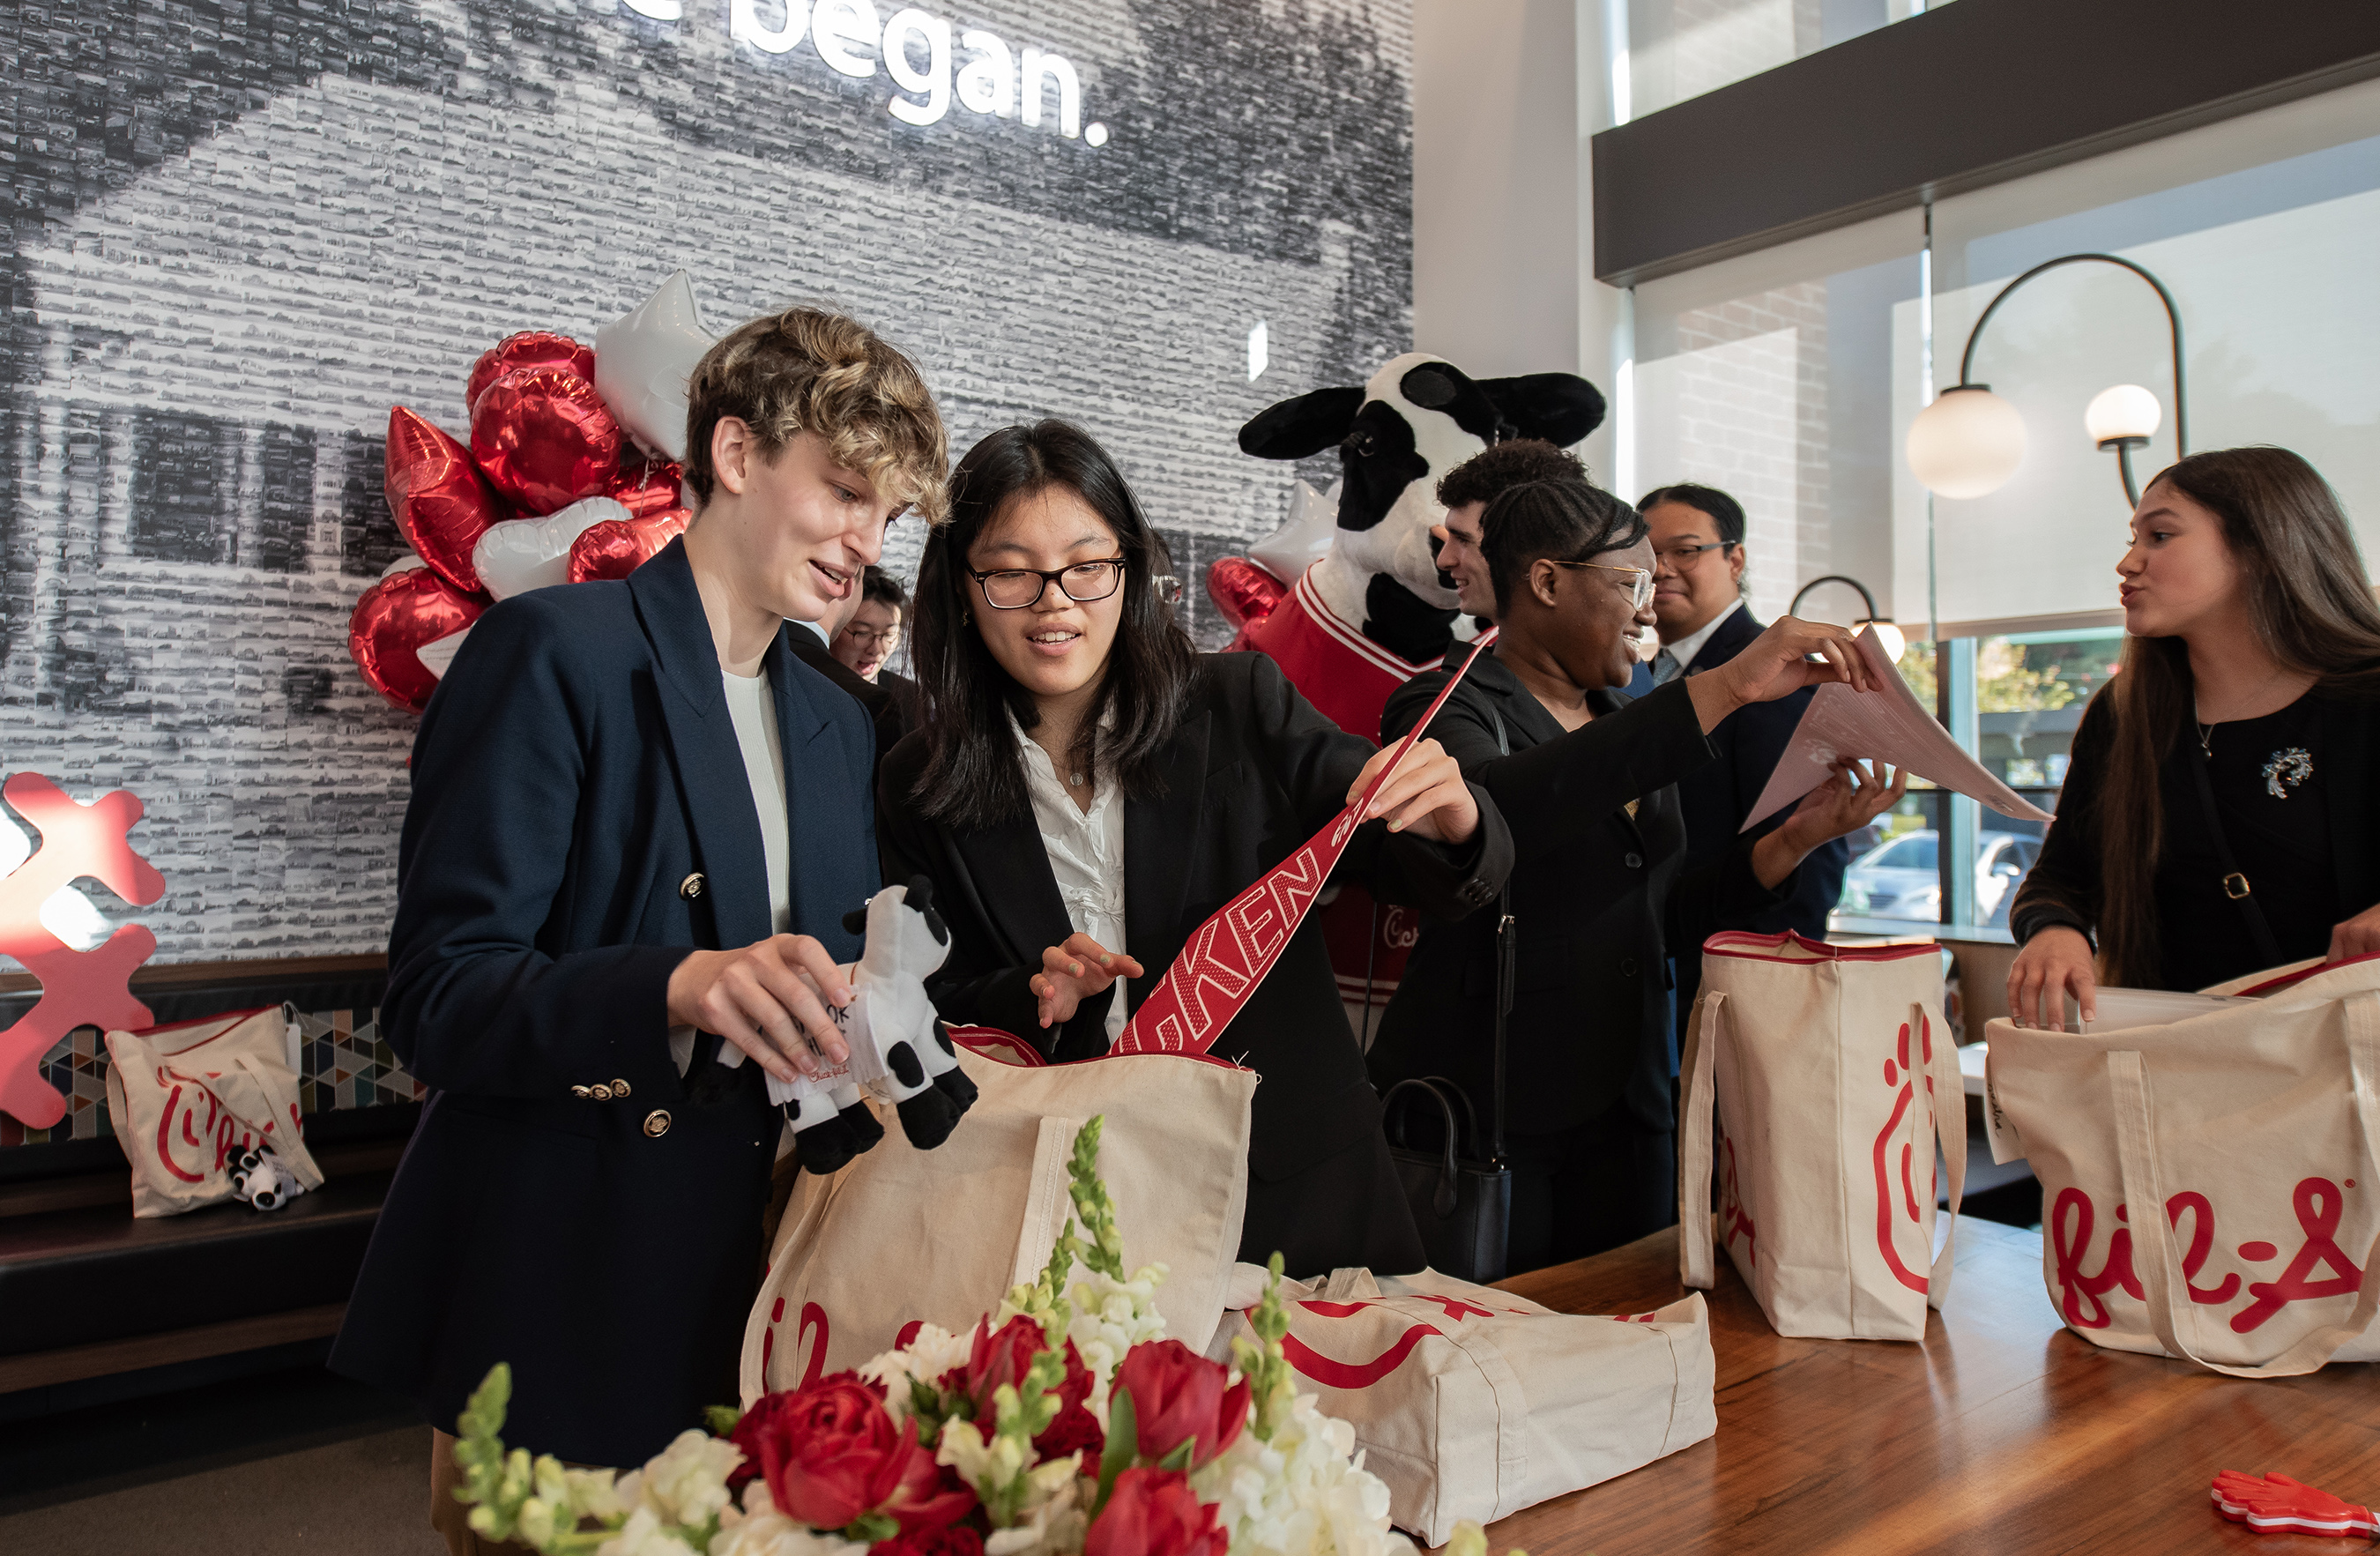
[391, 622]
[1243, 591]
[646, 487]
[617, 547]
[441, 504]
[530, 348]
[545, 439]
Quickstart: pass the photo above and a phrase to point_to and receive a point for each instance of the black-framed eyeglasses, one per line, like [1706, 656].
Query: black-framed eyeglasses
[1682, 557]
[1015, 589]
[1639, 585]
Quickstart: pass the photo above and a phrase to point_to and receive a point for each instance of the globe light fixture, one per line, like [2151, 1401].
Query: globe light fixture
[1969, 441]
[2123, 418]
[1887, 634]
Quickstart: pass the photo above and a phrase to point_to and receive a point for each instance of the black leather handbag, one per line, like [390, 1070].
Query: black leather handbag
[1460, 1193]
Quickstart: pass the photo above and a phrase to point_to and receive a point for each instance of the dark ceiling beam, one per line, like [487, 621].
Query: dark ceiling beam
[1977, 93]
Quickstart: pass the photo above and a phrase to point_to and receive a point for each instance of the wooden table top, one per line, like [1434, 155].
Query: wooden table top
[2001, 1431]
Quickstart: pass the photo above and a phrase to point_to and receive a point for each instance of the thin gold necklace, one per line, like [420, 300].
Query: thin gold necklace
[2206, 726]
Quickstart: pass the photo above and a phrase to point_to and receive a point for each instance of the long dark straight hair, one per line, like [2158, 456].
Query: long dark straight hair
[974, 775]
[2310, 605]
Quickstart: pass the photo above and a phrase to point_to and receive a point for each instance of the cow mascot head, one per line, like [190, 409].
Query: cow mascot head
[1375, 609]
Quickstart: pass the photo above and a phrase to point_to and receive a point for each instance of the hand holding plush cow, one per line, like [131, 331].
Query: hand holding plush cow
[570, 473]
[900, 1052]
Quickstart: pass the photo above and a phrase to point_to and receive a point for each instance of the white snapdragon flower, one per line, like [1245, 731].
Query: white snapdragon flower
[933, 1352]
[686, 1482]
[1052, 1521]
[1111, 1318]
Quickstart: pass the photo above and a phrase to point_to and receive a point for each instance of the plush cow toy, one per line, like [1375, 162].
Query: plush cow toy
[258, 1179]
[900, 1050]
[1375, 610]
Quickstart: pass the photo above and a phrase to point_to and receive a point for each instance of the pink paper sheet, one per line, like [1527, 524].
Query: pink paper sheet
[1887, 724]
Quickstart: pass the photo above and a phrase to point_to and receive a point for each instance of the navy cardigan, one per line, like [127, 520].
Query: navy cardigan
[581, 819]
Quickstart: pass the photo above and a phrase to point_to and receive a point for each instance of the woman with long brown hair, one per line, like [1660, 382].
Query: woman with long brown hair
[2218, 815]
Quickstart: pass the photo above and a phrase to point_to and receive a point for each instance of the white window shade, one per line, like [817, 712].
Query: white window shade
[2280, 324]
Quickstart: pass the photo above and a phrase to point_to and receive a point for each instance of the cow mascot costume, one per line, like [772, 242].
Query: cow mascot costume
[1374, 610]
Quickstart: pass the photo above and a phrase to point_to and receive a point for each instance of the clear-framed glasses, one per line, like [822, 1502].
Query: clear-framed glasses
[1014, 589]
[869, 636]
[1680, 558]
[1640, 582]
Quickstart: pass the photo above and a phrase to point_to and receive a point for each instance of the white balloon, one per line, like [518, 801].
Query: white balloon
[642, 361]
[1289, 551]
[406, 562]
[524, 554]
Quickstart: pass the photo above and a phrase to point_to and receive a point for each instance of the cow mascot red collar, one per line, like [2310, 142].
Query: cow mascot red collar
[1375, 610]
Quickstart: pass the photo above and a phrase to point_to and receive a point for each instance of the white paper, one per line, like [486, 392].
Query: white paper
[1886, 724]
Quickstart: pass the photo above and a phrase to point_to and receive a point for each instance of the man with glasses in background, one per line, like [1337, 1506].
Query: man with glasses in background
[870, 635]
[1698, 604]
[823, 645]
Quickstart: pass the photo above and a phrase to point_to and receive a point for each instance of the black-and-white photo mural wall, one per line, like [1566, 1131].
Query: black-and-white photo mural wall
[240, 235]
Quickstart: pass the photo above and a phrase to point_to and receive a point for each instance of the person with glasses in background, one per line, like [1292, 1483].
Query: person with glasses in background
[871, 634]
[1703, 620]
[1589, 777]
[816, 644]
[1087, 788]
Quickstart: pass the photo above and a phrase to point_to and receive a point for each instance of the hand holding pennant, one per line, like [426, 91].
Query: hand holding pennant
[1229, 955]
[1889, 725]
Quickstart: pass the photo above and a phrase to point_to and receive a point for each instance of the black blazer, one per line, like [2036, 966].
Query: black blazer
[576, 773]
[877, 702]
[1253, 772]
[1596, 897]
[1718, 797]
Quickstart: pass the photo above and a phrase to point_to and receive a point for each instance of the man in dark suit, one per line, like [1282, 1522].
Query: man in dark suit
[1697, 534]
[868, 638]
[813, 645]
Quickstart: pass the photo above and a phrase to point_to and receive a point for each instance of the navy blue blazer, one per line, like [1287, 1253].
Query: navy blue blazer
[1717, 798]
[581, 820]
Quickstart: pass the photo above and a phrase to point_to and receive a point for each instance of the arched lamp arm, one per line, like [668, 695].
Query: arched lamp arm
[2173, 318]
[1802, 593]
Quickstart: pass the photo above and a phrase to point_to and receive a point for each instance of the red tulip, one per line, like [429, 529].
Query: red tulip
[394, 619]
[830, 1453]
[530, 348]
[545, 439]
[617, 547]
[440, 501]
[1005, 1358]
[1178, 1394]
[1154, 1513]
[955, 1540]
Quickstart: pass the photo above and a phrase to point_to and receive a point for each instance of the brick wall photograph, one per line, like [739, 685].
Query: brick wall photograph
[239, 235]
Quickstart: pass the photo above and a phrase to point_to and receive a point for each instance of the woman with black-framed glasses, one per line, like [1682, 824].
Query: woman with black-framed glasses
[1589, 778]
[1088, 788]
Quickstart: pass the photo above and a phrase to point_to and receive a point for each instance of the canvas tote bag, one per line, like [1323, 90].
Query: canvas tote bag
[1834, 1078]
[939, 1235]
[187, 1099]
[1472, 1402]
[2255, 1125]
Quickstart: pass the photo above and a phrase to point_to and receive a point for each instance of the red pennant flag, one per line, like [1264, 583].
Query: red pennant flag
[1231, 951]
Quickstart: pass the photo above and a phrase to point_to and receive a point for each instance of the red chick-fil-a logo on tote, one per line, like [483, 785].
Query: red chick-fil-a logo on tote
[2318, 1201]
[918, 52]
